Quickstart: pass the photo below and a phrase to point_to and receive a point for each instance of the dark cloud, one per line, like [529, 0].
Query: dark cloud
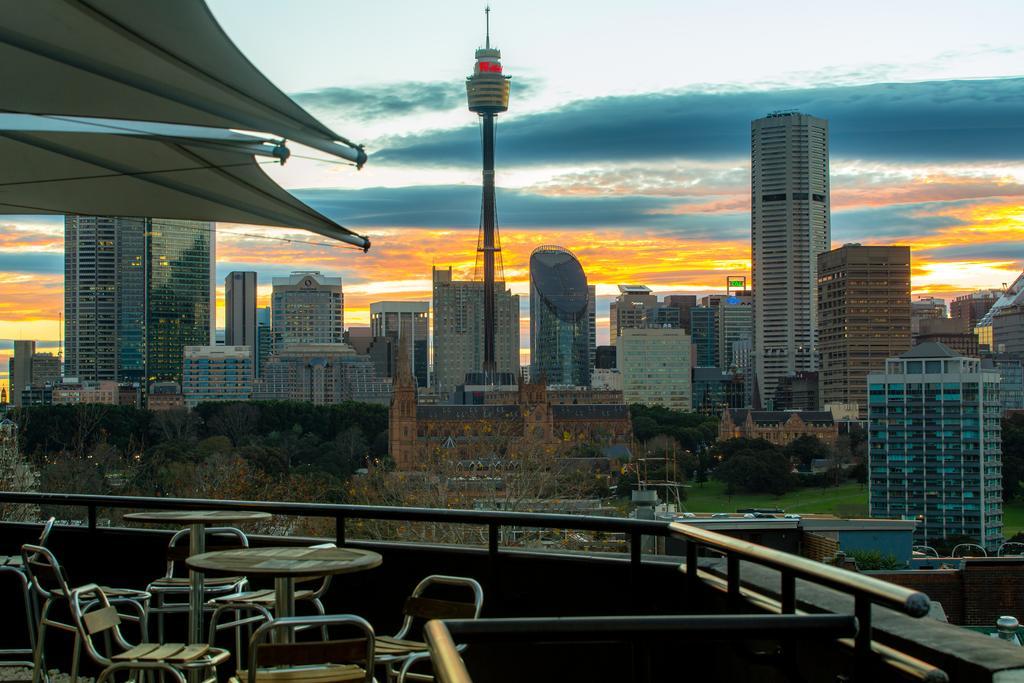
[394, 99]
[903, 220]
[909, 122]
[458, 206]
[980, 251]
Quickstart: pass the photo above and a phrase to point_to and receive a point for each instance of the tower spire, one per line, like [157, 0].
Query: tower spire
[487, 20]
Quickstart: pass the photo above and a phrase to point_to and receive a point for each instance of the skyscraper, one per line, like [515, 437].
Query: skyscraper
[790, 226]
[863, 317]
[459, 329]
[704, 336]
[405, 319]
[136, 292]
[307, 307]
[20, 368]
[264, 339]
[934, 445]
[968, 309]
[217, 373]
[559, 318]
[629, 309]
[240, 309]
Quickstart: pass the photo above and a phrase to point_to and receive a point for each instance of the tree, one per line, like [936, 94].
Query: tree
[237, 421]
[805, 449]
[756, 471]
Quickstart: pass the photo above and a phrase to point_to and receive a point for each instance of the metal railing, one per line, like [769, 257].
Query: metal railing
[865, 591]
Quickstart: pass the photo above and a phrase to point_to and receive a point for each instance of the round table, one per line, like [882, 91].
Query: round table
[197, 520]
[285, 565]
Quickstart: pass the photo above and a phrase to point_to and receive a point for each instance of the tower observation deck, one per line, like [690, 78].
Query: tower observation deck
[487, 93]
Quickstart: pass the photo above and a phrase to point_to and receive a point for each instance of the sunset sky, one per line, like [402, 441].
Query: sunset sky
[627, 141]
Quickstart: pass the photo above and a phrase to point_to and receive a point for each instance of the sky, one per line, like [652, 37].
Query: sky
[626, 141]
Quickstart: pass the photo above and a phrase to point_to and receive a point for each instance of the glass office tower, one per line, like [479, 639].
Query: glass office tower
[559, 318]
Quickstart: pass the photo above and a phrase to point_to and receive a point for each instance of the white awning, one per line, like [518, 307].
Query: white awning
[105, 167]
[166, 61]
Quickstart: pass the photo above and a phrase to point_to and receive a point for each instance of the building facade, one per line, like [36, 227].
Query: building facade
[322, 374]
[529, 417]
[264, 339]
[655, 367]
[926, 308]
[777, 426]
[863, 317]
[559, 318]
[1008, 330]
[950, 333]
[136, 292]
[217, 373]
[397, 320]
[307, 307]
[969, 309]
[106, 392]
[704, 336]
[240, 310]
[30, 368]
[790, 226]
[459, 333]
[629, 309]
[934, 445]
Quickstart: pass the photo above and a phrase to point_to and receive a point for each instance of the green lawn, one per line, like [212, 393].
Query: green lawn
[848, 500]
[1013, 518]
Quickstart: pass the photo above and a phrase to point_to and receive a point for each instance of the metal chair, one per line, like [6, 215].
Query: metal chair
[94, 615]
[171, 593]
[925, 550]
[50, 581]
[1010, 548]
[968, 550]
[326, 661]
[398, 653]
[15, 566]
[261, 603]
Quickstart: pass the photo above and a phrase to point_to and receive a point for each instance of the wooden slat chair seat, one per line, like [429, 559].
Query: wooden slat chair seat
[386, 645]
[154, 652]
[105, 620]
[183, 581]
[261, 597]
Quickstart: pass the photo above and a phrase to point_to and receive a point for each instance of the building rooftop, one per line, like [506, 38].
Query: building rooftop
[931, 349]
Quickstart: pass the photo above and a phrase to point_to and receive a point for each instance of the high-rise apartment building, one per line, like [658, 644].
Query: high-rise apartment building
[934, 445]
[240, 309]
[790, 226]
[459, 333]
[1013, 296]
[136, 292]
[307, 307]
[863, 317]
[733, 318]
[323, 374]
[654, 364]
[559, 318]
[217, 373]
[409, 320]
[629, 309]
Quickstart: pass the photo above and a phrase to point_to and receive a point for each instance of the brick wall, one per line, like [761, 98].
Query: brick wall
[818, 547]
[984, 590]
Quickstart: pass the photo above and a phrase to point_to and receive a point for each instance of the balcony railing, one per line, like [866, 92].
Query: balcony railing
[714, 564]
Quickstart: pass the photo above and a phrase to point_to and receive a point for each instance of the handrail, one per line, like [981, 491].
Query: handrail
[448, 664]
[911, 602]
[382, 512]
[695, 626]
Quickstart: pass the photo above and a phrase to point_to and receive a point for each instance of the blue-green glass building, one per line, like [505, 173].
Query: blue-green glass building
[559, 318]
[935, 445]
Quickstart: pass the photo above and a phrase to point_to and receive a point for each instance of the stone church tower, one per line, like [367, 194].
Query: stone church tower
[402, 415]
